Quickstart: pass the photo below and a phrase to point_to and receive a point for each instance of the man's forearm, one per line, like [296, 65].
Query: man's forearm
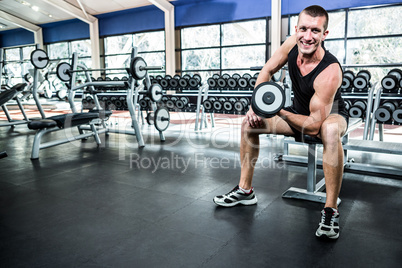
[303, 123]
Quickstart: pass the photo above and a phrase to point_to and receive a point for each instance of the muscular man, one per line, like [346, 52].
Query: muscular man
[318, 110]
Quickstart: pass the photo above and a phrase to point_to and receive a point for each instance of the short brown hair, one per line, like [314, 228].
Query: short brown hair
[316, 11]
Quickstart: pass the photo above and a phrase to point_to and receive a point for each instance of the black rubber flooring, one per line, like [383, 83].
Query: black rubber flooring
[120, 206]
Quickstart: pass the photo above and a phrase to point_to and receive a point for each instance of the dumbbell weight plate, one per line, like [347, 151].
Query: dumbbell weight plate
[211, 82]
[62, 71]
[346, 82]
[227, 106]
[135, 68]
[39, 58]
[183, 82]
[383, 114]
[156, 93]
[207, 104]
[268, 99]
[179, 104]
[197, 77]
[232, 82]
[150, 118]
[170, 104]
[242, 82]
[162, 119]
[221, 82]
[238, 106]
[217, 105]
[193, 83]
[173, 82]
[397, 115]
[164, 82]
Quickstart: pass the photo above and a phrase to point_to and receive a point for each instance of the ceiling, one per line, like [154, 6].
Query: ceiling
[40, 12]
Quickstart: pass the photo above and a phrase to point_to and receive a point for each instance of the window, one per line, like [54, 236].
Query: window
[150, 46]
[16, 64]
[224, 48]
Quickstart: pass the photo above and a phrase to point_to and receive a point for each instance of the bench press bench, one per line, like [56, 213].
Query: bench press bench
[313, 191]
[59, 122]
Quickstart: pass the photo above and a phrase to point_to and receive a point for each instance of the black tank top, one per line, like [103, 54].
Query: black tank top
[302, 86]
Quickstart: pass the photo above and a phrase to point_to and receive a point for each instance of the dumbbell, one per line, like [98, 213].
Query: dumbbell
[268, 99]
[208, 103]
[397, 114]
[243, 83]
[194, 81]
[171, 102]
[218, 104]
[228, 104]
[362, 79]
[384, 113]
[348, 104]
[231, 82]
[183, 82]
[221, 82]
[211, 83]
[164, 83]
[182, 102]
[174, 82]
[241, 105]
[347, 81]
[144, 103]
[236, 76]
[252, 81]
[357, 109]
[392, 80]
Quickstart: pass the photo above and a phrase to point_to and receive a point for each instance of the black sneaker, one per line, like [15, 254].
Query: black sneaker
[235, 197]
[329, 225]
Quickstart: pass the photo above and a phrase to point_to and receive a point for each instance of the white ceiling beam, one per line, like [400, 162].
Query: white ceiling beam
[38, 37]
[71, 10]
[87, 18]
[168, 9]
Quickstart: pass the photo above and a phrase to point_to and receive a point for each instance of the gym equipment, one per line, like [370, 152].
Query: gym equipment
[39, 59]
[138, 69]
[397, 114]
[160, 118]
[361, 81]
[357, 109]
[347, 81]
[241, 105]
[384, 113]
[268, 99]
[392, 80]
[12, 94]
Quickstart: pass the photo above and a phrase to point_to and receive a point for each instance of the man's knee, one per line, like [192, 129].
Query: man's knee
[332, 130]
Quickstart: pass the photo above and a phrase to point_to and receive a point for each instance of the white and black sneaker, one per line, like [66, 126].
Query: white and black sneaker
[235, 197]
[329, 224]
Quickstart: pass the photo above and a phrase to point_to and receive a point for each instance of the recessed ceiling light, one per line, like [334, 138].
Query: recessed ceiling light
[35, 8]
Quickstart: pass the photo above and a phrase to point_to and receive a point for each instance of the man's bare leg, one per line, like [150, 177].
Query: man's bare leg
[331, 134]
[250, 145]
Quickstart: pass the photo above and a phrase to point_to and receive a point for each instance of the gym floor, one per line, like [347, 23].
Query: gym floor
[121, 206]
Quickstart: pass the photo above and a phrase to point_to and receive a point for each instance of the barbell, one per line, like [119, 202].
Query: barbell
[39, 58]
[138, 69]
[160, 118]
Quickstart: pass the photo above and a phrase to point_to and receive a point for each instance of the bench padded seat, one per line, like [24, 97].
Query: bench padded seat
[63, 121]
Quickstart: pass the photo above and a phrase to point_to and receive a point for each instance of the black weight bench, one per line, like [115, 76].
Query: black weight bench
[59, 122]
[313, 191]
